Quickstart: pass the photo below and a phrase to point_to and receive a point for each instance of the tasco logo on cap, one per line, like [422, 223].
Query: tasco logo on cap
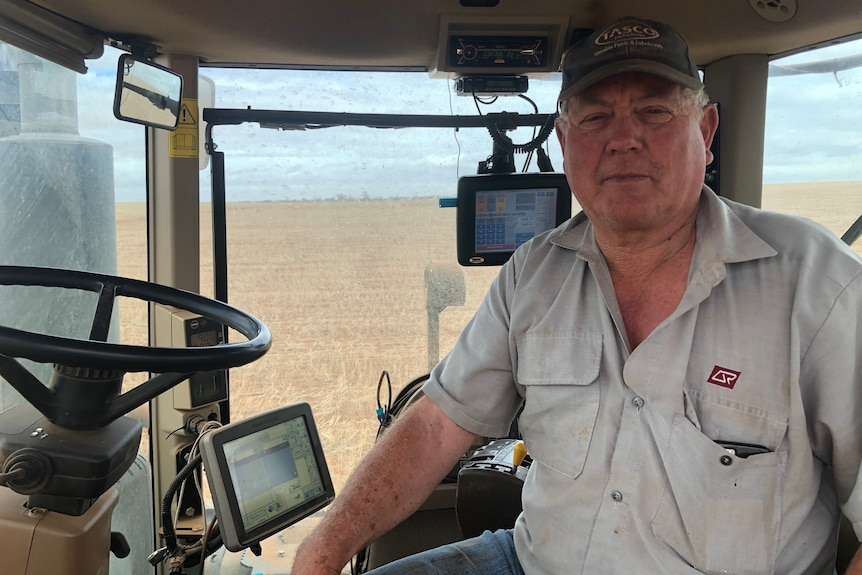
[620, 33]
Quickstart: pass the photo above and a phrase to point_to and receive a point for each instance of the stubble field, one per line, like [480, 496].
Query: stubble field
[341, 286]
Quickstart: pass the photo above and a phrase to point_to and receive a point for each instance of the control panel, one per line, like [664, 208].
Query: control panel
[192, 330]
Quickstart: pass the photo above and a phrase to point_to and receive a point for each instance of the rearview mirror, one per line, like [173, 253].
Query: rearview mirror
[147, 93]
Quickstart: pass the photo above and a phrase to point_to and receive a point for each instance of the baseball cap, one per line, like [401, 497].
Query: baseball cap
[628, 45]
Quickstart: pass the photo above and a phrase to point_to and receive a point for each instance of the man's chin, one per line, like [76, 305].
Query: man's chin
[631, 205]
[633, 217]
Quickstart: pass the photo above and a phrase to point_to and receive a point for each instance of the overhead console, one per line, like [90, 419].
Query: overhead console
[497, 56]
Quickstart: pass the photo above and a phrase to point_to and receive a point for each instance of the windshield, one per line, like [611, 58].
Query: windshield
[336, 236]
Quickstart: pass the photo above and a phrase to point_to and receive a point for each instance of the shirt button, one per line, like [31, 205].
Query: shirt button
[638, 402]
[617, 496]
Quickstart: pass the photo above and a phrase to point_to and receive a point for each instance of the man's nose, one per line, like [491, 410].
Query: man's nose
[625, 134]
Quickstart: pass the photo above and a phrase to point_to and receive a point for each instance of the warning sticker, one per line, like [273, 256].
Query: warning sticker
[184, 140]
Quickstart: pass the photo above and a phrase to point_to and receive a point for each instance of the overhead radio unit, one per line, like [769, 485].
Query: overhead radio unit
[498, 52]
[502, 45]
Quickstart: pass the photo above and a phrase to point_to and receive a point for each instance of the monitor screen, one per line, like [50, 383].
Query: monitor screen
[499, 212]
[265, 473]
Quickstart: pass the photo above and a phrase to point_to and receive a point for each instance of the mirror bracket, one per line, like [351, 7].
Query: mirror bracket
[140, 49]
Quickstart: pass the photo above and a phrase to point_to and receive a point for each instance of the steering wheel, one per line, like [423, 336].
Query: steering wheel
[85, 389]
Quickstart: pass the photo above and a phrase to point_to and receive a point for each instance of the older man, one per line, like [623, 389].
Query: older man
[689, 368]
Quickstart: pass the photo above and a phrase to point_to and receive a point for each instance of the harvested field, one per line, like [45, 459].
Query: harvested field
[341, 286]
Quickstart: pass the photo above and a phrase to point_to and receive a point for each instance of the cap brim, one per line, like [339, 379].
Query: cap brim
[646, 66]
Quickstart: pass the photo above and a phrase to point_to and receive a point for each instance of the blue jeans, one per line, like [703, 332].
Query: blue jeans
[488, 554]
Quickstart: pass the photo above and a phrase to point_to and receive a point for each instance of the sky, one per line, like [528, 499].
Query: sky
[813, 122]
[812, 131]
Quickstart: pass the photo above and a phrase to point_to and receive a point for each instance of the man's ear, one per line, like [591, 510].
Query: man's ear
[708, 126]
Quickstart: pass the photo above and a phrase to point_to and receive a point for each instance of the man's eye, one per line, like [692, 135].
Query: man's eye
[592, 121]
[654, 115]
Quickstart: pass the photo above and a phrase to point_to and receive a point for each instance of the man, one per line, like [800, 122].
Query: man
[689, 367]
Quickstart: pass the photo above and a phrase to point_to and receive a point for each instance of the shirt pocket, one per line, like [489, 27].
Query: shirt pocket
[719, 512]
[561, 397]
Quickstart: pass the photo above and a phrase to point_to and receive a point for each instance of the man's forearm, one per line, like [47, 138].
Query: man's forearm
[388, 485]
[855, 567]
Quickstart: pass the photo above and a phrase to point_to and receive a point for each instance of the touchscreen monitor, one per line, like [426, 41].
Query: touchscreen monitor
[265, 473]
[499, 212]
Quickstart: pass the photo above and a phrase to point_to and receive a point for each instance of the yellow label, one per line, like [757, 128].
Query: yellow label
[184, 140]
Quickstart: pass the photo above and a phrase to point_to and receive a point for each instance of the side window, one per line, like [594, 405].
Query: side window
[812, 156]
[69, 171]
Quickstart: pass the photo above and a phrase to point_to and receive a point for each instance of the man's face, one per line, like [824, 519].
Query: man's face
[634, 152]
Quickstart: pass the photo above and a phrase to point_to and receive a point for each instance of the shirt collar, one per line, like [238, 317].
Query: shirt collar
[721, 234]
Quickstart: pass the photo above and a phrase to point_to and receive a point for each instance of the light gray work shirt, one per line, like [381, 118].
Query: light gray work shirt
[628, 476]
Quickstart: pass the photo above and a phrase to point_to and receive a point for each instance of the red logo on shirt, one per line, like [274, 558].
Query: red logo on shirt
[723, 377]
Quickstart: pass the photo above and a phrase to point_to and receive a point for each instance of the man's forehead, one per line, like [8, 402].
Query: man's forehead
[641, 84]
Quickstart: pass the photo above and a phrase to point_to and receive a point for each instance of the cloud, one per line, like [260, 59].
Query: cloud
[811, 131]
[353, 161]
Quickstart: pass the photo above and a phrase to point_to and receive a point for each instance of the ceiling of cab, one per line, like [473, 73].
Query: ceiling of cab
[404, 34]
